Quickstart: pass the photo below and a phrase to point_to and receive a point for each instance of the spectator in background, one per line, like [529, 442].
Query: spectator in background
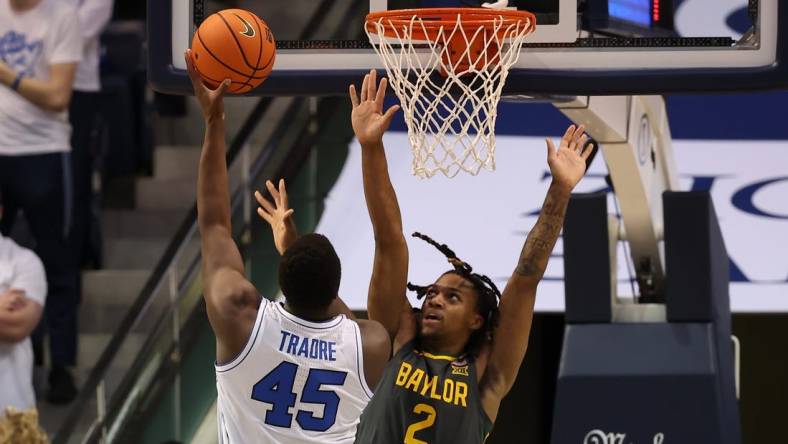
[23, 289]
[40, 47]
[85, 117]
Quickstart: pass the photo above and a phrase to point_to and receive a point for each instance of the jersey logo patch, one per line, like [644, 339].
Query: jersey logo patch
[459, 370]
[460, 367]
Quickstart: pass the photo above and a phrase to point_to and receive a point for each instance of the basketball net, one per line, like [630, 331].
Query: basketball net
[448, 67]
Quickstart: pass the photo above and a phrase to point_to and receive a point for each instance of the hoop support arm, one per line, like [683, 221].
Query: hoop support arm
[634, 136]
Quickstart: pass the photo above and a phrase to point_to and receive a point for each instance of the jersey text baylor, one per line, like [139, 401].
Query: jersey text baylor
[423, 398]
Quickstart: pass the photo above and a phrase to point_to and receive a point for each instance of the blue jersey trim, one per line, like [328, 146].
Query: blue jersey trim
[360, 361]
[238, 359]
[331, 323]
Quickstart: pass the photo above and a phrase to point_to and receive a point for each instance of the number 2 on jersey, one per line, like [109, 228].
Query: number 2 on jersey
[276, 388]
[421, 425]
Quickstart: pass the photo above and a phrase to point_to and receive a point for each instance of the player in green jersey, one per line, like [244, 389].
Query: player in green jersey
[458, 356]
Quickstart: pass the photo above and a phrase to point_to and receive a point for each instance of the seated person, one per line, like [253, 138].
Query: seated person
[23, 289]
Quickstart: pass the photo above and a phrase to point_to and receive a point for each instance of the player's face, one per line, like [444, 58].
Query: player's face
[449, 309]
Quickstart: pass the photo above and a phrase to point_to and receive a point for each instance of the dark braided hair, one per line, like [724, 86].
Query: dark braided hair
[487, 302]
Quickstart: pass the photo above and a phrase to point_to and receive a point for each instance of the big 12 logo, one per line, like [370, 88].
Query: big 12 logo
[597, 436]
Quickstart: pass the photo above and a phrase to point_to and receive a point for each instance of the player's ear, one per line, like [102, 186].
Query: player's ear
[477, 321]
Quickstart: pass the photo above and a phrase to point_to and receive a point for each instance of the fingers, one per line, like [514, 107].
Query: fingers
[578, 135]
[197, 83]
[381, 95]
[579, 131]
[390, 114]
[372, 89]
[263, 202]
[283, 194]
[222, 89]
[567, 138]
[550, 148]
[364, 87]
[193, 75]
[187, 55]
[574, 138]
[267, 211]
[266, 217]
[587, 151]
[17, 296]
[581, 144]
[353, 96]
[274, 193]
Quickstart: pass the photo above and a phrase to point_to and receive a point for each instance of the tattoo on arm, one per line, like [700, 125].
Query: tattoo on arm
[542, 238]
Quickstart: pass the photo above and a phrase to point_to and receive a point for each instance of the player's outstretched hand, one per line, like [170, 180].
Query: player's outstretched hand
[568, 162]
[279, 215]
[210, 100]
[369, 120]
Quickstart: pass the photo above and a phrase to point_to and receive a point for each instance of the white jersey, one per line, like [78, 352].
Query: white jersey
[295, 382]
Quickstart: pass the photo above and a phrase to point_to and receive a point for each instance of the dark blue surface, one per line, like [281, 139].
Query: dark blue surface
[753, 116]
[739, 20]
[640, 383]
[654, 382]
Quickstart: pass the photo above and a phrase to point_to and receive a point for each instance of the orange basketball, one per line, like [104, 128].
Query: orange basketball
[234, 44]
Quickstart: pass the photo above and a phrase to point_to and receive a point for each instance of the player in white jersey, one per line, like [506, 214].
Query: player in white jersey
[286, 373]
[296, 381]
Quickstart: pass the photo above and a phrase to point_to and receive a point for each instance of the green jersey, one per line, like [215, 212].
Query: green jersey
[425, 399]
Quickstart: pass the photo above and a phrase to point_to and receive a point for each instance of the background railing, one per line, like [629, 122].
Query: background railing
[144, 355]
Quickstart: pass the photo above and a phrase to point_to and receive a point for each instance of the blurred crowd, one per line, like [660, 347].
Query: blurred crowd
[50, 114]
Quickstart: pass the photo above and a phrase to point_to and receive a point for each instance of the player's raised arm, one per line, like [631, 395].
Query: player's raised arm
[386, 299]
[231, 299]
[510, 340]
[279, 216]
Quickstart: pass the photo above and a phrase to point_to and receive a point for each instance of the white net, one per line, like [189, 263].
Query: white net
[449, 79]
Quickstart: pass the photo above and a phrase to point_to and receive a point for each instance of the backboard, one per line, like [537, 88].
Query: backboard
[580, 47]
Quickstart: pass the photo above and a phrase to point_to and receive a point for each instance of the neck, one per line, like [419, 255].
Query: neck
[24, 5]
[311, 314]
[439, 346]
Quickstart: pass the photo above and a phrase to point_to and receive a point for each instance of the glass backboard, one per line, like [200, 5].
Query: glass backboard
[580, 47]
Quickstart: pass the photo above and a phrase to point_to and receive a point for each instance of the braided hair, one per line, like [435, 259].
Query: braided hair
[487, 302]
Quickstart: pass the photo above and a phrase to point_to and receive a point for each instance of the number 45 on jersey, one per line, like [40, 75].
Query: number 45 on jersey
[276, 388]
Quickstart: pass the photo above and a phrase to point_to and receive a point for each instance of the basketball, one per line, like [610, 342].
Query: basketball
[234, 44]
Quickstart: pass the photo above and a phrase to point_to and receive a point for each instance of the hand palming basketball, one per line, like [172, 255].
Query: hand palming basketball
[211, 101]
[234, 44]
[369, 121]
[568, 162]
